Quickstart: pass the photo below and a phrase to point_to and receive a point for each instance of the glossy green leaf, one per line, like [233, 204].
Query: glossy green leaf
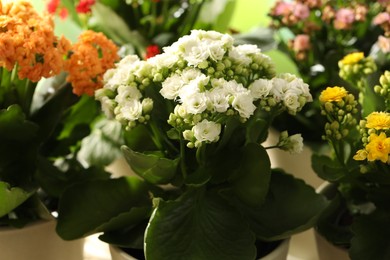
[326, 168]
[291, 206]
[11, 197]
[254, 173]
[199, 225]
[91, 206]
[14, 126]
[153, 168]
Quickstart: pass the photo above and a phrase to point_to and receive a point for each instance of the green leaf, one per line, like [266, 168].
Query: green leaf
[155, 169]
[371, 236]
[326, 168]
[11, 198]
[129, 236]
[14, 126]
[199, 225]
[257, 131]
[91, 206]
[251, 184]
[291, 207]
[102, 146]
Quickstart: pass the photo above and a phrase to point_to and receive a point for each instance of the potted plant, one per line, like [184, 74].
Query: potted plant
[195, 117]
[42, 120]
[315, 35]
[357, 218]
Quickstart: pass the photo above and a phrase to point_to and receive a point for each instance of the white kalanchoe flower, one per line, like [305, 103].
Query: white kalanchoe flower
[243, 103]
[260, 88]
[207, 131]
[126, 92]
[130, 110]
[171, 86]
[293, 144]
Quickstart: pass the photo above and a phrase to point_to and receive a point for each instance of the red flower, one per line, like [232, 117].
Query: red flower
[84, 6]
[63, 13]
[52, 6]
[152, 50]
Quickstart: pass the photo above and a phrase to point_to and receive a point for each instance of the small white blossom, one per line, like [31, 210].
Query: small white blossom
[126, 92]
[292, 144]
[260, 88]
[130, 110]
[243, 103]
[195, 103]
[207, 131]
[171, 86]
[218, 100]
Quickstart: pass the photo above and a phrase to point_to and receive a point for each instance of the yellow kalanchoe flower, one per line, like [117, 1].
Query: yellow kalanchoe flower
[378, 120]
[333, 94]
[352, 58]
[378, 148]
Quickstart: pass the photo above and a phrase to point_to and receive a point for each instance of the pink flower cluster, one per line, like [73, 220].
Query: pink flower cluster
[308, 19]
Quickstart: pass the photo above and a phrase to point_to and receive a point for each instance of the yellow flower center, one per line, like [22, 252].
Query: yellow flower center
[352, 58]
[378, 148]
[333, 94]
[378, 120]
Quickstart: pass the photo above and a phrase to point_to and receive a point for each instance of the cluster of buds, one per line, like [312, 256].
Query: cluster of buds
[340, 108]
[383, 89]
[354, 67]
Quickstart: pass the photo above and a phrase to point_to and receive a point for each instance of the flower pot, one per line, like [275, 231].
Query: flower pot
[298, 165]
[279, 253]
[38, 241]
[326, 250]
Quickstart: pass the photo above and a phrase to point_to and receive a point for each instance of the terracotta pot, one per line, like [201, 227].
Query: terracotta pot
[38, 241]
[279, 253]
[326, 250]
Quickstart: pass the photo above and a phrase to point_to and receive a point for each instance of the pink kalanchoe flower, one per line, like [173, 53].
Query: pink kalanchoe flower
[384, 44]
[381, 18]
[344, 18]
[301, 43]
[84, 6]
[282, 9]
[301, 11]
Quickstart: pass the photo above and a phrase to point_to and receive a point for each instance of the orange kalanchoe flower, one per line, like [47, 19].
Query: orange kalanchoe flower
[28, 41]
[90, 57]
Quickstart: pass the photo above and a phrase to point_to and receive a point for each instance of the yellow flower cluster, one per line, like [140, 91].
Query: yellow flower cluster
[352, 58]
[333, 94]
[377, 147]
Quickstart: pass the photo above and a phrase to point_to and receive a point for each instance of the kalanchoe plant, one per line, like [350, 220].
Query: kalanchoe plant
[195, 117]
[41, 121]
[316, 34]
[358, 217]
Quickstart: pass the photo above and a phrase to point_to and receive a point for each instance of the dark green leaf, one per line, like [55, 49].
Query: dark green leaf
[291, 206]
[326, 168]
[127, 236]
[251, 182]
[198, 225]
[85, 208]
[371, 236]
[155, 169]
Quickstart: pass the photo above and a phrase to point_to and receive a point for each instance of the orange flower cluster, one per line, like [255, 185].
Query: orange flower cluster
[28, 41]
[28, 45]
[90, 57]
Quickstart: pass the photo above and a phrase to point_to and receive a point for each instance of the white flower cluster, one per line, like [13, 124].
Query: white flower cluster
[203, 79]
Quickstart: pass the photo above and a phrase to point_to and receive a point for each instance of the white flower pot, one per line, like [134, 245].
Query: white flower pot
[279, 253]
[325, 249]
[298, 165]
[38, 241]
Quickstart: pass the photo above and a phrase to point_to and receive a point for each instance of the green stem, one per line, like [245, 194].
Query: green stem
[153, 21]
[182, 158]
